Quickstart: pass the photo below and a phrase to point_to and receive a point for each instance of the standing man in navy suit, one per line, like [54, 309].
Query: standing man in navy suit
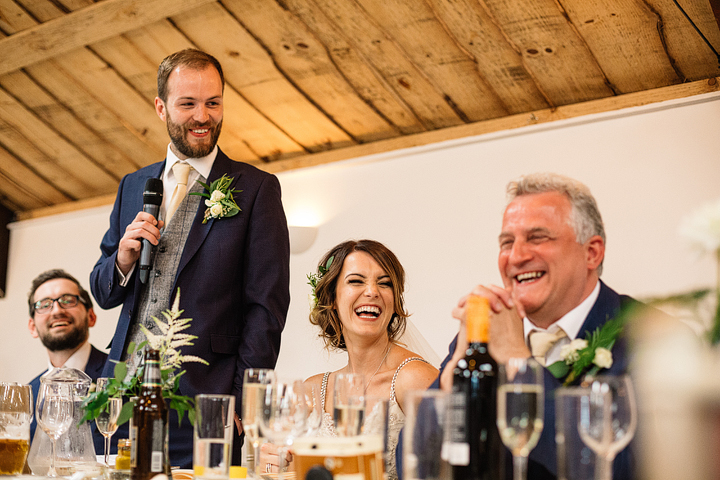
[232, 271]
[61, 314]
[552, 247]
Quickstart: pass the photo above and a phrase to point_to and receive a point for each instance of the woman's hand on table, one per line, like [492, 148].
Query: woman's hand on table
[269, 460]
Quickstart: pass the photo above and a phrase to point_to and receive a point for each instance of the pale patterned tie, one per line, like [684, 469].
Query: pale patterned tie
[542, 342]
[181, 170]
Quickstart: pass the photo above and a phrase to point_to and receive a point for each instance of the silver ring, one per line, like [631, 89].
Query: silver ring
[268, 467]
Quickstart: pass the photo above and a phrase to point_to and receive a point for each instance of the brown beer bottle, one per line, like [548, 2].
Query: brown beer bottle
[475, 451]
[149, 432]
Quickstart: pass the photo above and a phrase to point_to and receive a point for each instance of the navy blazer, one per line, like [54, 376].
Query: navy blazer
[234, 281]
[93, 369]
[542, 462]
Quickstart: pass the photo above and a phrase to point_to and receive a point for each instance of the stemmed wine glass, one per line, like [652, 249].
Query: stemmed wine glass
[106, 421]
[520, 409]
[349, 404]
[54, 414]
[284, 418]
[255, 383]
[608, 420]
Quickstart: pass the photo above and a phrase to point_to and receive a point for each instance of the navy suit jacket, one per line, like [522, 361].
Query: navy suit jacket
[93, 369]
[542, 462]
[234, 281]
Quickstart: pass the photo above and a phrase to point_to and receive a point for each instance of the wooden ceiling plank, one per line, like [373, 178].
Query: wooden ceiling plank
[404, 78]
[28, 181]
[425, 41]
[41, 10]
[67, 207]
[498, 62]
[114, 93]
[57, 81]
[92, 24]
[14, 198]
[623, 36]
[552, 51]
[366, 80]
[130, 64]
[55, 146]
[53, 113]
[690, 54]
[304, 61]
[13, 17]
[250, 71]
[46, 167]
[103, 122]
[602, 105]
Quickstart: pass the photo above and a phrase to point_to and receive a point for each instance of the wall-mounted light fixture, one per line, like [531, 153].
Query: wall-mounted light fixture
[301, 238]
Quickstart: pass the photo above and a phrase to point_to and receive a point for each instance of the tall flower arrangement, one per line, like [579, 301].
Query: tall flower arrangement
[168, 343]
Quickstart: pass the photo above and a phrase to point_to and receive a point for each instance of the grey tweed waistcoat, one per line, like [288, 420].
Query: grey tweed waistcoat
[156, 295]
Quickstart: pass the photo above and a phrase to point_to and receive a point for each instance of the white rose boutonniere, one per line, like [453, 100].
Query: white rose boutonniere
[589, 356]
[219, 200]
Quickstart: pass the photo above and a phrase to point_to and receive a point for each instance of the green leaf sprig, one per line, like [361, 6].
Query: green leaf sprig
[171, 360]
[220, 201]
[314, 278]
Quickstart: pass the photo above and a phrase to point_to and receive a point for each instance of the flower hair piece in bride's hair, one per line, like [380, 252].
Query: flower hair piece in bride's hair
[314, 278]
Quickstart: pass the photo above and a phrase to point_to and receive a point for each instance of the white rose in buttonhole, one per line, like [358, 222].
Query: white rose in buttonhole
[569, 352]
[603, 358]
[216, 196]
[216, 210]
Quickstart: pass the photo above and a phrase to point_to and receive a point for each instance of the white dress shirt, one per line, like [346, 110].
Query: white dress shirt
[570, 323]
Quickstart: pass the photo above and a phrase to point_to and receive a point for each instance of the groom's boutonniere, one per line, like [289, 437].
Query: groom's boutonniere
[219, 200]
[582, 356]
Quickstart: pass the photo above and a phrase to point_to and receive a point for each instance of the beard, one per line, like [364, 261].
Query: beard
[179, 132]
[68, 341]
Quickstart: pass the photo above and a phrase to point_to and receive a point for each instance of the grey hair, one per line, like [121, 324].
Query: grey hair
[585, 216]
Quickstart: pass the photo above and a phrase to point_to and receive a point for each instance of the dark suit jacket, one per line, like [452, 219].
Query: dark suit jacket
[234, 281]
[542, 463]
[94, 369]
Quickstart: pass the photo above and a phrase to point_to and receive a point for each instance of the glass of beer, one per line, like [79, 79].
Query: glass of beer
[16, 410]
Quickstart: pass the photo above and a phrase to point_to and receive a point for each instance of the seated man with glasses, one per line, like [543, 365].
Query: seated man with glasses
[61, 314]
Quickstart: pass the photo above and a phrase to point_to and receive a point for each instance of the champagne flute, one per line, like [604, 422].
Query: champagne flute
[255, 382]
[348, 403]
[284, 418]
[608, 420]
[106, 421]
[54, 414]
[520, 409]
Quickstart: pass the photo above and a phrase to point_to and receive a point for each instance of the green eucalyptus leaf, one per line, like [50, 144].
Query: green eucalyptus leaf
[126, 412]
[120, 371]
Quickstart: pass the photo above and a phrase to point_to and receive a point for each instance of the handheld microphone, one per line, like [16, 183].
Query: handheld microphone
[152, 199]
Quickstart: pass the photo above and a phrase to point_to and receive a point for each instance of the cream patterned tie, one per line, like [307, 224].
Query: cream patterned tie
[181, 170]
[542, 342]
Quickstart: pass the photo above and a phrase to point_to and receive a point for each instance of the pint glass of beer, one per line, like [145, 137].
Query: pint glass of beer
[15, 416]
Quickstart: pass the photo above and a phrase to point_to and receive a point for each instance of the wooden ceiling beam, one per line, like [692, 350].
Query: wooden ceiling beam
[97, 22]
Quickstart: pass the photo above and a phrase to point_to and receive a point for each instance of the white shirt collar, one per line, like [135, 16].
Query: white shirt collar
[572, 321]
[79, 359]
[202, 165]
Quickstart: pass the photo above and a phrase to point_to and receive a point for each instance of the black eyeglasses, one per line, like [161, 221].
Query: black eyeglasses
[65, 301]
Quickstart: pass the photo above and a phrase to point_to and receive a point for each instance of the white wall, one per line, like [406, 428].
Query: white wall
[439, 209]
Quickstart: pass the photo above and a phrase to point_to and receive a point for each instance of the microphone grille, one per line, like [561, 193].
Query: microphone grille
[153, 193]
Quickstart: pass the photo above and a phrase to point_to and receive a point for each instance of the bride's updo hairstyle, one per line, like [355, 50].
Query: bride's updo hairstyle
[324, 313]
